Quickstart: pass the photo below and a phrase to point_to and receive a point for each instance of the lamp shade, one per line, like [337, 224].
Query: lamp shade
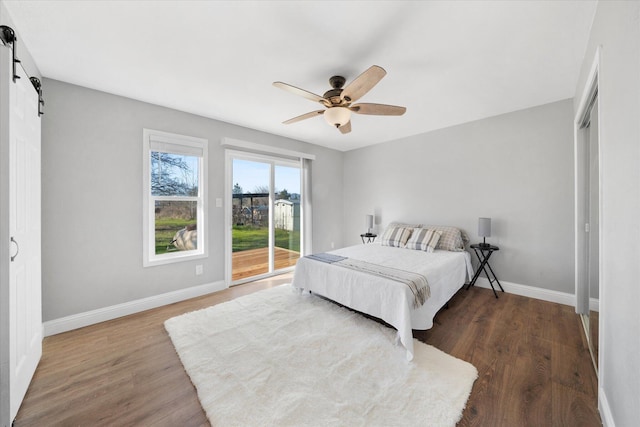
[484, 227]
[337, 116]
[369, 222]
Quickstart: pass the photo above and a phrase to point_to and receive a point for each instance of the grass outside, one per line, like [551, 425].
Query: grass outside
[244, 237]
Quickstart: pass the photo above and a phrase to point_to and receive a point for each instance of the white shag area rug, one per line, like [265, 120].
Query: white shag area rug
[281, 358]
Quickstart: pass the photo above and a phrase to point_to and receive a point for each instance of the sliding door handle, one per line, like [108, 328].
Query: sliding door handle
[17, 249]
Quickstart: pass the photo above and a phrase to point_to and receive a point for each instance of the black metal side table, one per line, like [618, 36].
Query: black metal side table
[483, 253]
[370, 237]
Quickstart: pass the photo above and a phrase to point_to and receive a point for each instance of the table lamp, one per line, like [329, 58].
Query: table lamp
[369, 223]
[484, 230]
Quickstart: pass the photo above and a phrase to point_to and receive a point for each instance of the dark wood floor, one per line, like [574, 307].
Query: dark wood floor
[534, 367]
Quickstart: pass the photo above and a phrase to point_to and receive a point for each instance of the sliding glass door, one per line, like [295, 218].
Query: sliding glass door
[265, 215]
[286, 215]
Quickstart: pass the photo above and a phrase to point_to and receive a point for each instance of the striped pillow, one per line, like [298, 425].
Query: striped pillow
[396, 236]
[424, 239]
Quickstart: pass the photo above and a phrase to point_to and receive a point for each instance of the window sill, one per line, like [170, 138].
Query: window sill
[173, 258]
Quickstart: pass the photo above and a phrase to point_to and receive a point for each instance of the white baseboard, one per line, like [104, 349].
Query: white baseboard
[537, 293]
[530, 291]
[80, 320]
[605, 410]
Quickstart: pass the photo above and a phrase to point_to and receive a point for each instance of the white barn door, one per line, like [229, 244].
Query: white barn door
[20, 281]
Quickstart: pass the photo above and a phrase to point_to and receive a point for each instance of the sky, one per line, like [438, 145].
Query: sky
[251, 174]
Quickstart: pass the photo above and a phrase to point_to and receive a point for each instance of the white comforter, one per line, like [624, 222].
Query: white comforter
[386, 299]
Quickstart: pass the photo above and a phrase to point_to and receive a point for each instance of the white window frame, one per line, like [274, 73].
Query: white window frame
[155, 140]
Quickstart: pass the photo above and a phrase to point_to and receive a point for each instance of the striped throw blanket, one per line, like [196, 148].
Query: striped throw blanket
[417, 283]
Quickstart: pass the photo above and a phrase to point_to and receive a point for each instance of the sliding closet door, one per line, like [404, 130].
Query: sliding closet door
[20, 281]
[265, 215]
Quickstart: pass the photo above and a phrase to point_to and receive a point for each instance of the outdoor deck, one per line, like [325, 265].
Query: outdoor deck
[256, 261]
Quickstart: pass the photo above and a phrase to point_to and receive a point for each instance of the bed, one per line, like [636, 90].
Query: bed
[388, 299]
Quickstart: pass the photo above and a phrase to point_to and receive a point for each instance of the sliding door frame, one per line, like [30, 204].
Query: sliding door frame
[273, 161]
[590, 94]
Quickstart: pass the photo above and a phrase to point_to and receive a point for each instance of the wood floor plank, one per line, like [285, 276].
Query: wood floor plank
[573, 409]
[571, 368]
[533, 365]
[530, 384]
[253, 262]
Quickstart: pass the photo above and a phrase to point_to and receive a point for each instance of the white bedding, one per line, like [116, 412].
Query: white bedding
[386, 299]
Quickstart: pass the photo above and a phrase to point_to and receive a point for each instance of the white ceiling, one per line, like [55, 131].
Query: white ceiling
[448, 62]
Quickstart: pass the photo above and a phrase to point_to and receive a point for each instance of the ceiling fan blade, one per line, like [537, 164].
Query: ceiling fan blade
[363, 83]
[304, 116]
[300, 92]
[378, 109]
[345, 128]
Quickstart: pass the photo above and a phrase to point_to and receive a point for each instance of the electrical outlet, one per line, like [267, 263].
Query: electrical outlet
[199, 269]
[333, 246]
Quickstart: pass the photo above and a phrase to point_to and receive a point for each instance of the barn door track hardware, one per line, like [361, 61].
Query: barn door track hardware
[8, 37]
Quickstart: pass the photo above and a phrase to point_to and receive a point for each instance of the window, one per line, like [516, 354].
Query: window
[175, 204]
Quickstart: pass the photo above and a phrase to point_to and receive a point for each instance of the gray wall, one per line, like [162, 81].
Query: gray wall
[92, 207]
[516, 168]
[616, 28]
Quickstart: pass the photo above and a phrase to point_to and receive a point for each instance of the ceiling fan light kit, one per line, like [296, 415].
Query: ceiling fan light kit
[337, 116]
[337, 101]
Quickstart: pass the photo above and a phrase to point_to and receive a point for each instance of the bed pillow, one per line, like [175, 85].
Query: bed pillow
[424, 239]
[396, 236]
[404, 224]
[452, 238]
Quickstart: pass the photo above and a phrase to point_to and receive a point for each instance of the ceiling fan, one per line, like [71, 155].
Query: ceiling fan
[339, 101]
